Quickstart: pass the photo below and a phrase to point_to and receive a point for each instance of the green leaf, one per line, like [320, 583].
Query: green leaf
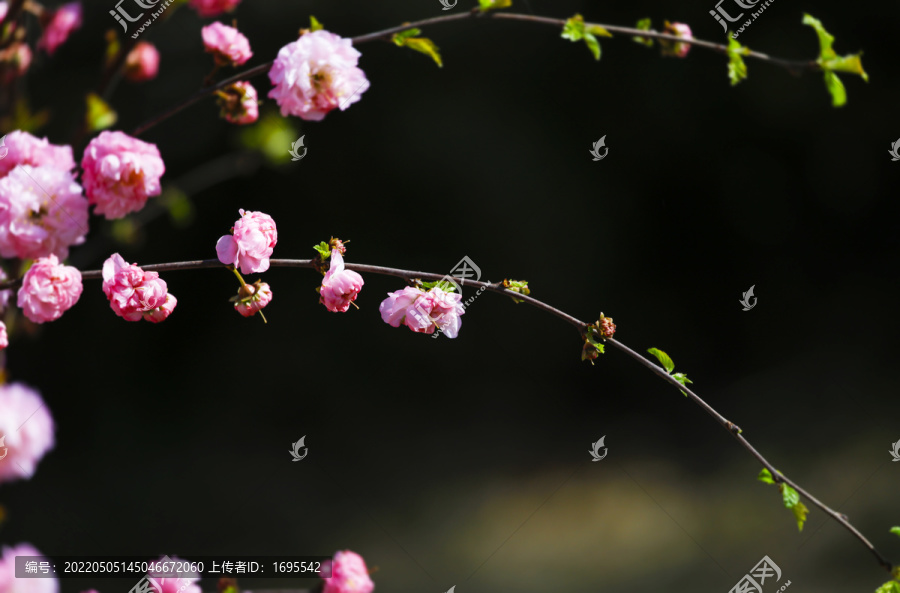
[519, 286]
[800, 512]
[314, 24]
[737, 69]
[423, 45]
[889, 587]
[574, 30]
[895, 531]
[765, 476]
[682, 378]
[830, 62]
[644, 25]
[399, 38]
[663, 359]
[442, 284]
[487, 5]
[99, 114]
[790, 496]
[836, 88]
[597, 30]
[324, 250]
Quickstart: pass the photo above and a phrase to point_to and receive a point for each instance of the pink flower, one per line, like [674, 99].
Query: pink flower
[4, 294]
[26, 433]
[239, 103]
[14, 61]
[207, 8]
[49, 289]
[253, 298]
[120, 173]
[8, 581]
[676, 49]
[316, 74]
[340, 286]
[42, 211]
[227, 45]
[185, 584]
[62, 23]
[4, 339]
[423, 311]
[4, 8]
[348, 574]
[25, 149]
[135, 294]
[251, 243]
[142, 62]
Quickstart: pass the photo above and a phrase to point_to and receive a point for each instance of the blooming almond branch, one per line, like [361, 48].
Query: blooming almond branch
[411, 307]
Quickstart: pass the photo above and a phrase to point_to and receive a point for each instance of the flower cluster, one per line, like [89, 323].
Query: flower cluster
[316, 74]
[227, 45]
[250, 244]
[340, 287]
[26, 433]
[49, 289]
[348, 574]
[423, 311]
[120, 173]
[135, 294]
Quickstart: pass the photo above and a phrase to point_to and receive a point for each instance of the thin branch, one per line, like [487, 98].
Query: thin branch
[385, 34]
[581, 326]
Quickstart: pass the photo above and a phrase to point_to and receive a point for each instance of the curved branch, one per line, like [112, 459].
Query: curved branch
[581, 326]
[385, 34]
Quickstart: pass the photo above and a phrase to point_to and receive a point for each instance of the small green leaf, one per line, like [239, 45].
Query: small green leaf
[682, 378]
[487, 5]
[442, 284]
[574, 30]
[399, 38]
[644, 25]
[889, 587]
[99, 114]
[765, 476]
[737, 69]
[425, 46]
[895, 531]
[830, 62]
[314, 24]
[324, 250]
[519, 286]
[663, 359]
[790, 496]
[836, 88]
[800, 512]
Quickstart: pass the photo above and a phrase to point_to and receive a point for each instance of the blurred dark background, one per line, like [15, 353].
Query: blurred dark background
[465, 462]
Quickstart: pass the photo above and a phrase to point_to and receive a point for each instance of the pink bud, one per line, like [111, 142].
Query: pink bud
[142, 62]
[49, 289]
[227, 45]
[239, 103]
[348, 574]
[676, 49]
[62, 22]
[256, 299]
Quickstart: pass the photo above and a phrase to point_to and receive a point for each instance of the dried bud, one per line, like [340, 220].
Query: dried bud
[339, 245]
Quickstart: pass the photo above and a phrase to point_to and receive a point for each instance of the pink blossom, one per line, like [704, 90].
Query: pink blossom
[185, 584]
[340, 286]
[4, 294]
[227, 45]
[316, 74]
[4, 339]
[4, 8]
[63, 21]
[8, 581]
[239, 103]
[25, 149]
[163, 311]
[42, 211]
[120, 173]
[14, 61]
[253, 298]
[423, 311]
[26, 433]
[348, 574]
[676, 49]
[135, 294]
[142, 62]
[49, 289]
[207, 8]
[251, 243]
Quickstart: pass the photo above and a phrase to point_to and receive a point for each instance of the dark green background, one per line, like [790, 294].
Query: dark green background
[465, 462]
